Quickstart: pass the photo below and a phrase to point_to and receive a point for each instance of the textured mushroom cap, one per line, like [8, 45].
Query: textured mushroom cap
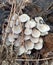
[34, 40]
[30, 24]
[21, 50]
[39, 19]
[35, 33]
[24, 18]
[27, 37]
[11, 37]
[28, 31]
[14, 17]
[17, 29]
[39, 45]
[43, 27]
[29, 45]
[44, 33]
[29, 52]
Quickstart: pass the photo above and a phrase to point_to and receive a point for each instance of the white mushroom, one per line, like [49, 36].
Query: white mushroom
[27, 37]
[39, 45]
[11, 37]
[21, 50]
[34, 40]
[17, 29]
[29, 45]
[43, 27]
[39, 20]
[24, 18]
[35, 33]
[30, 24]
[28, 31]
[28, 52]
[44, 33]
[14, 17]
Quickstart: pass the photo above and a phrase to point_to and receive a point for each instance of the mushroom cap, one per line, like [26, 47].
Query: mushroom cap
[17, 29]
[30, 24]
[21, 50]
[34, 40]
[28, 31]
[14, 17]
[43, 27]
[44, 33]
[27, 37]
[39, 20]
[28, 52]
[29, 45]
[39, 45]
[24, 18]
[35, 33]
[11, 37]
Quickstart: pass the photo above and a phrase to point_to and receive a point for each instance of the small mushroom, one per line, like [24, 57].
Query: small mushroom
[27, 37]
[44, 33]
[14, 17]
[30, 24]
[39, 20]
[17, 29]
[43, 27]
[28, 31]
[24, 18]
[34, 40]
[35, 33]
[39, 45]
[11, 37]
[29, 45]
[21, 50]
[28, 52]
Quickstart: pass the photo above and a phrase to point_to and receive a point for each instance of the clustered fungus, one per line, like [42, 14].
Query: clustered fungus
[26, 33]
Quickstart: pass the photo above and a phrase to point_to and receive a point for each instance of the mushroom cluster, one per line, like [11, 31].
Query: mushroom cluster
[26, 33]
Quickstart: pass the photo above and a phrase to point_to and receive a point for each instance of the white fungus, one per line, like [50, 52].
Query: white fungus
[35, 33]
[29, 45]
[34, 40]
[17, 29]
[28, 31]
[43, 27]
[39, 45]
[30, 24]
[24, 18]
